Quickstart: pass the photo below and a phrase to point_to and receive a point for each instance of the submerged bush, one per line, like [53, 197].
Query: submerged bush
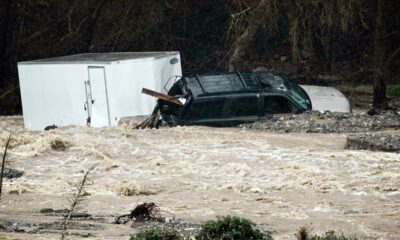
[157, 234]
[303, 233]
[331, 235]
[394, 91]
[231, 228]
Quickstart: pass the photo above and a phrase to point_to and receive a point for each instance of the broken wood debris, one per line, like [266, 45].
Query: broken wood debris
[64, 213]
[154, 120]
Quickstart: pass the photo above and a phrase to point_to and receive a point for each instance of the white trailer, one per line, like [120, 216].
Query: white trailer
[95, 89]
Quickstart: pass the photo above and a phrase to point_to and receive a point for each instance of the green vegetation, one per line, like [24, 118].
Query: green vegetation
[304, 234]
[331, 235]
[231, 228]
[157, 234]
[394, 91]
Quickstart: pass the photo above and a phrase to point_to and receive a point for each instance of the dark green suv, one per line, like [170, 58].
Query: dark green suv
[232, 98]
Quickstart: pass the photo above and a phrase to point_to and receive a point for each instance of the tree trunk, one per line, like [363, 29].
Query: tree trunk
[379, 81]
[243, 41]
[308, 39]
[328, 49]
[4, 33]
[294, 31]
[90, 26]
[327, 38]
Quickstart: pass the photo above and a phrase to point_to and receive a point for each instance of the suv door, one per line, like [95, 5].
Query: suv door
[205, 110]
[240, 109]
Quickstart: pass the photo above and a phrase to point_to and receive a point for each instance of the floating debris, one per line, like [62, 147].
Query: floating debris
[59, 145]
[12, 173]
[142, 212]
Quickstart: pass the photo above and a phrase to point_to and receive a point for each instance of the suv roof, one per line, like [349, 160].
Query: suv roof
[235, 82]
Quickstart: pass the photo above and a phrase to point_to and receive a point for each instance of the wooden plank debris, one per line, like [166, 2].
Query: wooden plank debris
[161, 96]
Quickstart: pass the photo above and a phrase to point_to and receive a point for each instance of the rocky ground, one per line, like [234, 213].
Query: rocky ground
[329, 122]
[379, 132]
[387, 142]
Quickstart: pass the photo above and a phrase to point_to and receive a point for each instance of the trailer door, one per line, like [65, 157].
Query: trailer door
[97, 105]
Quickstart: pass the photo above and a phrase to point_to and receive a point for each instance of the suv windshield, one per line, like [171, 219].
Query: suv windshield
[298, 94]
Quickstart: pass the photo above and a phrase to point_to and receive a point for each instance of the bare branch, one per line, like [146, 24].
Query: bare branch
[3, 162]
[363, 23]
[71, 10]
[233, 15]
[76, 199]
[255, 21]
[391, 57]
[8, 91]
[57, 23]
[120, 29]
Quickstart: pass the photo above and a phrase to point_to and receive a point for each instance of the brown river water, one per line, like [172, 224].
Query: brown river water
[279, 181]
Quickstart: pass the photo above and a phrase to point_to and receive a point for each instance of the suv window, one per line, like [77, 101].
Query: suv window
[278, 104]
[206, 109]
[243, 106]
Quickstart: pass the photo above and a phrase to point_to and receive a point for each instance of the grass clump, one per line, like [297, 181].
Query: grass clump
[231, 228]
[331, 235]
[394, 91]
[157, 234]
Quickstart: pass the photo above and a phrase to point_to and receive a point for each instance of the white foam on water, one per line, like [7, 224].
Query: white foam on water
[201, 172]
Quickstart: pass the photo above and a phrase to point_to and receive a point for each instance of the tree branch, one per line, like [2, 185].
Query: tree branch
[3, 162]
[8, 92]
[76, 199]
[120, 29]
[56, 24]
[391, 57]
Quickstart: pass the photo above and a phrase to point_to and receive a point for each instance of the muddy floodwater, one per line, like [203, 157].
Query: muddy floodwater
[280, 181]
